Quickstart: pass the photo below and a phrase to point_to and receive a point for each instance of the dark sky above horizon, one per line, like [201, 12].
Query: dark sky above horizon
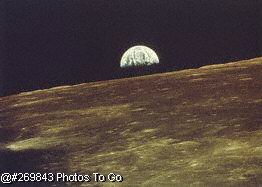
[57, 42]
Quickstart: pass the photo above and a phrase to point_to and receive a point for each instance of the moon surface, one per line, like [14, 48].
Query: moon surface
[206, 133]
[139, 56]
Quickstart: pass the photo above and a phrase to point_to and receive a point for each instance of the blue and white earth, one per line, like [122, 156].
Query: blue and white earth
[139, 56]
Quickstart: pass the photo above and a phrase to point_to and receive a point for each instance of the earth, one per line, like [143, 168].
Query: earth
[196, 127]
[139, 56]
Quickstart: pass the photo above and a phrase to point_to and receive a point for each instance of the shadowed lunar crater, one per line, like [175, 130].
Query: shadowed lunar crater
[197, 127]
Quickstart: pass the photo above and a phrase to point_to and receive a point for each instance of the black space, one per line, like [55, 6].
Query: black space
[57, 42]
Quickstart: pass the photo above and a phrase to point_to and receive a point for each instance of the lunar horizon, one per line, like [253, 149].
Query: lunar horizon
[196, 127]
